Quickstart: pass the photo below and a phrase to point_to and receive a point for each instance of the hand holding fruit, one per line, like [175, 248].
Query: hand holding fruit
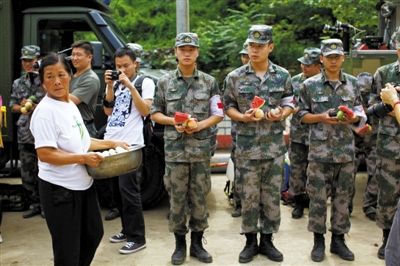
[184, 122]
[275, 114]
[28, 105]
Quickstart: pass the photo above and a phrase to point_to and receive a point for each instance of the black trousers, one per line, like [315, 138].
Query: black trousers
[130, 208]
[74, 222]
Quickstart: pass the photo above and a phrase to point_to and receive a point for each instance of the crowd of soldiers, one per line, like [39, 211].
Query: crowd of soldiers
[323, 147]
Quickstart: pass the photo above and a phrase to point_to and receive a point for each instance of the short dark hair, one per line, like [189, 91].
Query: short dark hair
[120, 52]
[85, 45]
[53, 59]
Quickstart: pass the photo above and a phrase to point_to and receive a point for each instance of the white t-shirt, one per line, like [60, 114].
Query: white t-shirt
[123, 125]
[60, 125]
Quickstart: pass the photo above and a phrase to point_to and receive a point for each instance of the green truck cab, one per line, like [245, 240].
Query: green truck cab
[54, 26]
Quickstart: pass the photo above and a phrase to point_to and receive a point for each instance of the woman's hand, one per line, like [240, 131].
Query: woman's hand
[92, 159]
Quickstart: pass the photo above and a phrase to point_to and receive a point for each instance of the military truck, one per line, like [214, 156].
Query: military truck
[54, 26]
[370, 52]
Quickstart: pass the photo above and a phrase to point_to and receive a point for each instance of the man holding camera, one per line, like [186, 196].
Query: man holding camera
[126, 107]
[26, 92]
[331, 154]
[388, 152]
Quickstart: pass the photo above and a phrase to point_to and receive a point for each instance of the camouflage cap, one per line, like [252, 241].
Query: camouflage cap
[244, 50]
[137, 50]
[187, 38]
[260, 34]
[311, 56]
[364, 81]
[332, 46]
[396, 37]
[30, 52]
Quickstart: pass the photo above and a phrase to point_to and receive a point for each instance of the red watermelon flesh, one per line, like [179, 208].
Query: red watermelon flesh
[257, 102]
[180, 118]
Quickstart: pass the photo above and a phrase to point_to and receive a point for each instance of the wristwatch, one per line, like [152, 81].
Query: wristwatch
[107, 103]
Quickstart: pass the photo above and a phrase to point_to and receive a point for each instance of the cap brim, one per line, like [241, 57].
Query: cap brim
[27, 57]
[186, 44]
[332, 52]
[257, 41]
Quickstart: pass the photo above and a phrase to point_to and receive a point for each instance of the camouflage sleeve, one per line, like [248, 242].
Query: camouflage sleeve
[229, 99]
[214, 88]
[376, 87]
[288, 96]
[14, 96]
[304, 101]
[158, 104]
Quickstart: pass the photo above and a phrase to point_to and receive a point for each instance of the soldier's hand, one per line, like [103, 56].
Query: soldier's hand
[327, 119]
[249, 116]
[274, 114]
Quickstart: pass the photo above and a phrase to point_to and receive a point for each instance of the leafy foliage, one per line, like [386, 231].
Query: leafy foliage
[222, 27]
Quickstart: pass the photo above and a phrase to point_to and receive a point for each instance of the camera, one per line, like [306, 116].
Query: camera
[379, 110]
[115, 74]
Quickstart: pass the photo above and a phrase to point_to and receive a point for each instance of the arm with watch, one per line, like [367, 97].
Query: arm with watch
[389, 95]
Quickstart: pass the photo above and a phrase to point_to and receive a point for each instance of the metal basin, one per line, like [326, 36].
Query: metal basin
[118, 164]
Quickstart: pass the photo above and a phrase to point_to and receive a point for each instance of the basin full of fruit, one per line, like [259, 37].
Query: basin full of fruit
[117, 162]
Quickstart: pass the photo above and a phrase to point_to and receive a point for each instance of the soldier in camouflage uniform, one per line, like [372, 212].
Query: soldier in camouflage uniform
[28, 85]
[298, 147]
[237, 211]
[388, 153]
[331, 148]
[365, 144]
[187, 150]
[260, 147]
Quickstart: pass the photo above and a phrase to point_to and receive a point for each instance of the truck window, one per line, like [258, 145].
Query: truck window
[57, 35]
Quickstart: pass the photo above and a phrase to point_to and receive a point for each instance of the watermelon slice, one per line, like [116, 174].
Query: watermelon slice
[257, 102]
[347, 112]
[181, 118]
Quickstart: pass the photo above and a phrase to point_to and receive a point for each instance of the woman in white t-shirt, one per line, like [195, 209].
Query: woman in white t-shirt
[66, 190]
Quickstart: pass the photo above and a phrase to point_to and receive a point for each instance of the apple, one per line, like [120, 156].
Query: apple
[23, 110]
[28, 105]
[259, 113]
[191, 123]
[340, 115]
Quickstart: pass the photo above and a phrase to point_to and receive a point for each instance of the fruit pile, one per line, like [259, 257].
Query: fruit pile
[256, 105]
[112, 151]
[185, 120]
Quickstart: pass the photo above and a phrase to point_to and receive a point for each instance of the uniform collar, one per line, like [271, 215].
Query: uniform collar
[341, 77]
[271, 68]
[179, 75]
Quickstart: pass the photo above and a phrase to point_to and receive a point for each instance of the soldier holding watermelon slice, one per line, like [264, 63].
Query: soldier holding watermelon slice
[258, 97]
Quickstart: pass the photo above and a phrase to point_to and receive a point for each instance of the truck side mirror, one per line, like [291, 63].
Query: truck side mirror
[97, 60]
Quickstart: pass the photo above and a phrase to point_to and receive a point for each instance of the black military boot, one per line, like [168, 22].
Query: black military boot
[268, 249]
[381, 250]
[250, 249]
[318, 250]
[196, 248]
[179, 255]
[339, 248]
[298, 209]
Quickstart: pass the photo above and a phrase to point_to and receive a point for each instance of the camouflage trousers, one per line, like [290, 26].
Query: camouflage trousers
[371, 190]
[29, 171]
[298, 153]
[258, 184]
[189, 184]
[389, 191]
[333, 180]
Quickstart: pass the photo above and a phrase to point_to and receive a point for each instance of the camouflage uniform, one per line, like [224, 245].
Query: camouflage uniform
[367, 145]
[298, 148]
[24, 87]
[187, 157]
[331, 155]
[259, 146]
[388, 151]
